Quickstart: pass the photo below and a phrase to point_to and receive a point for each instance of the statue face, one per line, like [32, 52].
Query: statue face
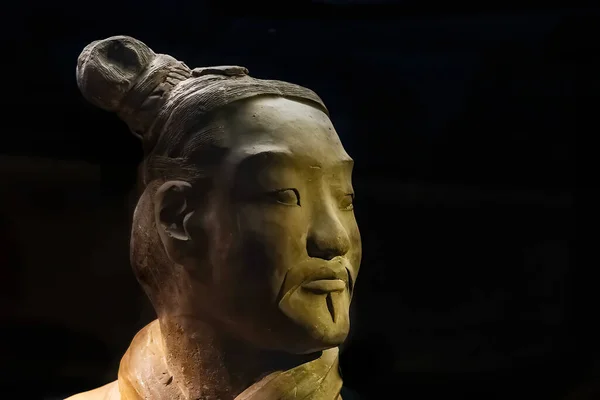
[282, 247]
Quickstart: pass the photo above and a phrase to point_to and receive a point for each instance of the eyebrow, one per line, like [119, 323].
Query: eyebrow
[267, 151]
[281, 153]
[258, 156]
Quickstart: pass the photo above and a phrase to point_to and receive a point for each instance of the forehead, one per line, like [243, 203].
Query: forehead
[301, 129]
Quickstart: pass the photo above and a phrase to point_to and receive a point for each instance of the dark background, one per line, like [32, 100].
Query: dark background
[462, 121]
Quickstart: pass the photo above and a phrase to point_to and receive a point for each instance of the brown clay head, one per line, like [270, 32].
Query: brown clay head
[246, 217]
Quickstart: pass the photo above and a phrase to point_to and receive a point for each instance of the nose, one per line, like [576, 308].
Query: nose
[327, 237]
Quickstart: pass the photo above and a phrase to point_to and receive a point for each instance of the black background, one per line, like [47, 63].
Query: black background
[461, 119]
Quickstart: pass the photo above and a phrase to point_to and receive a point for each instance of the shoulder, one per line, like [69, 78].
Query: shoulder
[143, 347]
[106, 392]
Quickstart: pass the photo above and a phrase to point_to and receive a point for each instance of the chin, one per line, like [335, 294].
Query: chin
[320, 321]
[312, 344]
[310, 334]
[302, 335]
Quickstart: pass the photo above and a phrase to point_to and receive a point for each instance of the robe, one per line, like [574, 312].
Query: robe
[143, 375]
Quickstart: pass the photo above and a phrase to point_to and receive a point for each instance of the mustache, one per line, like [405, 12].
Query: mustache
[317, 269]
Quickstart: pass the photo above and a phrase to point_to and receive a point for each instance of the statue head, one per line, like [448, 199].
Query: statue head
[246, 217]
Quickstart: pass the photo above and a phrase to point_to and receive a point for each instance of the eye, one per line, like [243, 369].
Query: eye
[288, 197]
[347, 203]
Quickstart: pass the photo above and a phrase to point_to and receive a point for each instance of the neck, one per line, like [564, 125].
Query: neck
[209, 364]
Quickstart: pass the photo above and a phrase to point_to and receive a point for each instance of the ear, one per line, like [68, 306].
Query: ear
[172, 209]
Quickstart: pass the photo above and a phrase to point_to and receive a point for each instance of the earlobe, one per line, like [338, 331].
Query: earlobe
[172, 209]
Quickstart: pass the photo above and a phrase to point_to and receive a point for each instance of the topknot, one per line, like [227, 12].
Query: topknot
[123, 75]
[108, 69]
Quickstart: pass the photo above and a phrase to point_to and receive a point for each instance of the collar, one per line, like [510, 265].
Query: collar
[143, 374]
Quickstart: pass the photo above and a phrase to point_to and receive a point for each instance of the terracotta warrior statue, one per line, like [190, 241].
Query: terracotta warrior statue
[244, 237]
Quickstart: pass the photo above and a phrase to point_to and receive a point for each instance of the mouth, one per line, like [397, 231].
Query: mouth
[314, 290]
[327, 279]
[328, 282]
[324, 286]
[318, 278]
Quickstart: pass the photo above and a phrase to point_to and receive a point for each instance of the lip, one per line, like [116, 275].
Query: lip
[327, 279]
[312, 270]
[327, 272]
[322, 286]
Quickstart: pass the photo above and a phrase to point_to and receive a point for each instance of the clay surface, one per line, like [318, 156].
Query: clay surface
[244, 236]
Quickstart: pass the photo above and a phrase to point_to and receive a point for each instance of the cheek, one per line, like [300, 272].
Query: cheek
[273, 226]
[272, 239]
[355, 252]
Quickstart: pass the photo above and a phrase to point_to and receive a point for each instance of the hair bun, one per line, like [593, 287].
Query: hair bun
[107, 69]
[123, 75]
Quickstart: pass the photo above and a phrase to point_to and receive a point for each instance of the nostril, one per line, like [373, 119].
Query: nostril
[327, 240]
[324, 252]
